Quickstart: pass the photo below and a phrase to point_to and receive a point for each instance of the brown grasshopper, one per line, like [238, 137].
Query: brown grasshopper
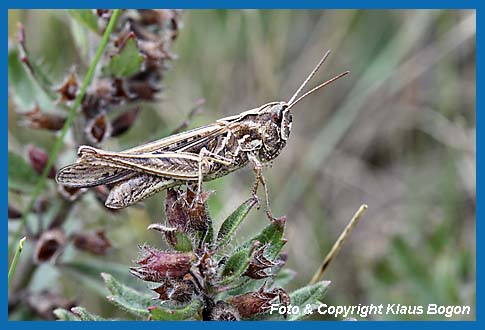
[255, 136]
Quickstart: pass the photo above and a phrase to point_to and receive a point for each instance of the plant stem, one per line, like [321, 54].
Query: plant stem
[72, 113]
[338, 244]
[15, 260]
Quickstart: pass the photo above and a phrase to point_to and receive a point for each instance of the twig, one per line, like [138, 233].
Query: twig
[72, 113]
[15, 260]
[338, 244]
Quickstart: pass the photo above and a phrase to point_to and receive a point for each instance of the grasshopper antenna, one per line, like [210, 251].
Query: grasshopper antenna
[310, 76]
[291, 104]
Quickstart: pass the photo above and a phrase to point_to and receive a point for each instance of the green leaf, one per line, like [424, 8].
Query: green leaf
[65, 315]
[85, 17]
[308, 295]
[184, 243]
[23, 89]
[237, 263]
[127, 62]
[162, 314]
[84, 315]
[20, 174]
[272, 235]
[232, 222]
[126, 298]
[209, 236]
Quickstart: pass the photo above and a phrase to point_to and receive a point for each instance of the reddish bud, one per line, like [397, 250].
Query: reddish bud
[158, 265]
[38, 159]
[252, 303]
[69, 88]
[93, 242]
[50, 245]
[39, 120]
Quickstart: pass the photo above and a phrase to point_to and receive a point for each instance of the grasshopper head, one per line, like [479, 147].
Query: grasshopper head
[281, 119]
[275, 122]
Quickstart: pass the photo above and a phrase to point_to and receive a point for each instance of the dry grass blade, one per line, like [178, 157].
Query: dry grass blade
[338, 244]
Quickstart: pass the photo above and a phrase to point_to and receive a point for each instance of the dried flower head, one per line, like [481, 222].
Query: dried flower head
[98, 129]
[38, 119]
[123, 122]
[179, 291]
[223, 311]
[69, 88]
[94, 242]
[50, 245]
[259, 264]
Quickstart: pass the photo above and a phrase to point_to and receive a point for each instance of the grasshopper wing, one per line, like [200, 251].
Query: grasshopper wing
[178, 165]
[85, 175]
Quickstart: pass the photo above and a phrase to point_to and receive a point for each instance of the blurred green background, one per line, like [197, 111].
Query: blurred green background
[398, 134]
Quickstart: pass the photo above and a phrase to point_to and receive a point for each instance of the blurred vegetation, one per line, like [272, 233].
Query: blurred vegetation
[398, 133]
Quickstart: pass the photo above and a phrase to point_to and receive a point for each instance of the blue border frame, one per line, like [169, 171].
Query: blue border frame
[331, 4]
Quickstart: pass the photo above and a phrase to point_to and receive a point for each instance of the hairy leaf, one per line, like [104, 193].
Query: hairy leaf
[236, 265]
[272, 235]
[308, 295]
[232, 222]
[86, 17]
[126, 298]
[24, 91]
[84, 315]
[65, 315]
[127, 62]
[163, 314]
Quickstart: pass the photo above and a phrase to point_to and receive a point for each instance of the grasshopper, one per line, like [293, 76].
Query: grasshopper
[255, 136]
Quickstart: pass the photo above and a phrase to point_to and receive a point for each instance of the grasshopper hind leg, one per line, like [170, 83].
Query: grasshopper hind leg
[136, 189]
